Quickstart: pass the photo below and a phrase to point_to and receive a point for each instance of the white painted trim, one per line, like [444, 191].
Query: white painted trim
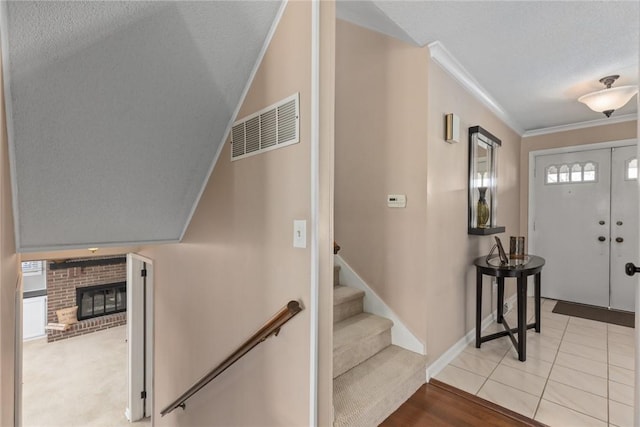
[314, 323]
[245, 91]
[8, 105]
[581, 125]
[401, 335]
[560, 150]
[455, 350]
[94, 245]
[452, 66]
[18, 352]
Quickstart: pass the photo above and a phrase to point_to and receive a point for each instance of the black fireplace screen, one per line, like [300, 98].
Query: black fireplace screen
[94, 301]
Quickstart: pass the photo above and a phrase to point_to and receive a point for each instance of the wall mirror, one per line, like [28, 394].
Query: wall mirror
[483, 192]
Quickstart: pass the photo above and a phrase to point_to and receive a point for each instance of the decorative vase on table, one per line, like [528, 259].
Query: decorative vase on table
[483, 208]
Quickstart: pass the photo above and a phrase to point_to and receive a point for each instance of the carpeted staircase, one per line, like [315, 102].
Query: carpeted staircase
[371, 377]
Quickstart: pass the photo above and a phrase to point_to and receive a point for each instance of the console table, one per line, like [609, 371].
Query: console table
[521, 271]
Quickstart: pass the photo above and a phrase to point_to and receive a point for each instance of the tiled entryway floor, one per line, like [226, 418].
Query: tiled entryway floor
[578, 372]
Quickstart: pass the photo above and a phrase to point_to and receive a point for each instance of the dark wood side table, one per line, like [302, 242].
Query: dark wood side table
[521, 272]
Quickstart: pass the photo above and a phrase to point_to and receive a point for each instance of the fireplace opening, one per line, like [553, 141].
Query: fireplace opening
[100, 300]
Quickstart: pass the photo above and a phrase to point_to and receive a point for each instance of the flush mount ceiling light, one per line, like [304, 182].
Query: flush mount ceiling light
[610, 99]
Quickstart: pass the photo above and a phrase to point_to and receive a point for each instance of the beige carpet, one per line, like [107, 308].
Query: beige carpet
[81, 381]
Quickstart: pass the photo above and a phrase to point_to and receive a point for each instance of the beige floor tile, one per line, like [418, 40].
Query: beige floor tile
[492, 328]
[621, 375]
[509, 397]
[622, 360]
[490, 350]
[616, 347]
[588, 323]
[579, 380]
[550, 332]
[531, 366]
[475, 364]
[587, 330]
[582, 364]
[621, 393]
[597, 354]
[555, 415]
[597, 342]
[553, 323]
[548, 305]
[620, 329]
[548, 315]
[516, 378]
[578, 400]
[464, 380]
[621, 338]
[538, 351]
[543, 339]
[620, 415]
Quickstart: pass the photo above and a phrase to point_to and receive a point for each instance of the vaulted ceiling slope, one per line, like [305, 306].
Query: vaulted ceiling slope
[533, 58]
[117, 110]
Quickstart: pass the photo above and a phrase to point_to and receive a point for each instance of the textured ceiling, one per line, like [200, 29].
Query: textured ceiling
[117, 111]
[535, 58]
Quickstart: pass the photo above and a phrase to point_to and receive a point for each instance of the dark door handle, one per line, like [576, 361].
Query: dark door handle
[631, 269]
[601, 222]
[619, 239]
[602, 238]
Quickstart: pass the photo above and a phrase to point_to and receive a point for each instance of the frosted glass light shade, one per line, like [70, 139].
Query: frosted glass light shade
[609, 99]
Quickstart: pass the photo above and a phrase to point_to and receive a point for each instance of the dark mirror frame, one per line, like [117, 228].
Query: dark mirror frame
[483, 182]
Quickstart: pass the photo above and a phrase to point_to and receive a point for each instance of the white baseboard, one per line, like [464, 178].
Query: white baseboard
[455, 350]
[400, 334]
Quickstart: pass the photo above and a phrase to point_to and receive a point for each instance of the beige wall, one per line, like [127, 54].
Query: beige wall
[390, 106]
[236, 267]
[592, 135]
[451, 295]
[381, 148]
[8, 280]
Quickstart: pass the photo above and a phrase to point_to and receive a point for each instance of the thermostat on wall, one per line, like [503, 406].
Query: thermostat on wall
[396, 200]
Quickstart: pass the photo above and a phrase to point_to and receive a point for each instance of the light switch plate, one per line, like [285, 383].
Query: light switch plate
[299, 233]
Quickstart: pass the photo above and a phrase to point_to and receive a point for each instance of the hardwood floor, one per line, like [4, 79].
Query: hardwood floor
[438, 404]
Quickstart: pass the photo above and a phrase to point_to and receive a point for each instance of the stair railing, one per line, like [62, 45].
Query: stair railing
[269, 329]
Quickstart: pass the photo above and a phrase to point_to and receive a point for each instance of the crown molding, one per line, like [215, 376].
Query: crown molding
[452, 66]
[581, 125]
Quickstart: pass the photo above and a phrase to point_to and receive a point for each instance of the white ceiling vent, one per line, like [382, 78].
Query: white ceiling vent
[273, 127]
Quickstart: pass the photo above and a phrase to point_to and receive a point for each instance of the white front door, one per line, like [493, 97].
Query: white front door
[585, 224]
[571, 225]
[624, 225]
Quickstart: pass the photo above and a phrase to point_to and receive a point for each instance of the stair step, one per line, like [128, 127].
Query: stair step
[357, 338]
[367, 394]
[336, 275]
[347, 302]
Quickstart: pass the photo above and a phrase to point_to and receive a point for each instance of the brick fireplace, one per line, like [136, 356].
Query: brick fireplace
[104, 279]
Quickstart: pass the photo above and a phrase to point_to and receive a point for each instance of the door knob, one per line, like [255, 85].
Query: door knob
[631, 269]
[619, 223]
[619, 239]
[601, 222]
[602, 238]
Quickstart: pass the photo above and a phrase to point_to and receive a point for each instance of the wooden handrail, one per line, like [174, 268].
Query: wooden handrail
[270, 328]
